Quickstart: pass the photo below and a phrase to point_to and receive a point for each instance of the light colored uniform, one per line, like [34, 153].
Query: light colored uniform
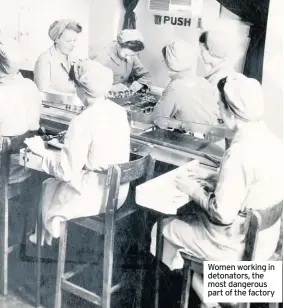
[122, 69]
[222, 70]
[50, 74]
[20, 107]
[97, 138]
[251, 176]
[188, 98]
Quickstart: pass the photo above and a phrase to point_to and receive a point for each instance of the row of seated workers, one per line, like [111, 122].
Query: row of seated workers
[250, 174]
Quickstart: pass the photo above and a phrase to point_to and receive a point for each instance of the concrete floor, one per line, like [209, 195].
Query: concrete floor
[13, 301]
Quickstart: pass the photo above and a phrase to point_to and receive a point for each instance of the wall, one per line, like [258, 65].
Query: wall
[28, 22]
[106, 19]
[273, 68]
[157, 36]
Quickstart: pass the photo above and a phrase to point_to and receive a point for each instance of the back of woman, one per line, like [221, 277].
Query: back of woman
[195, 100]
[262, 156]
[20, 105]
[110, 133]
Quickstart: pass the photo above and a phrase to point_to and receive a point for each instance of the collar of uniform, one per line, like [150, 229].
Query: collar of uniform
[248, 131]
[111, 50]
[185, 74]
[54, 53]
[10, 79]
[223, 66]
[92, 101]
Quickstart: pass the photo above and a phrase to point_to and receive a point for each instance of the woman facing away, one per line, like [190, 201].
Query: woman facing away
[187, 97]
[250, 176]
[20, 104]
[97, 138]
[51, 73]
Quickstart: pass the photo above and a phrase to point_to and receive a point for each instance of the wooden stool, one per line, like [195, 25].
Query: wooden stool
[7, 192]
[103, 224]
[257, 220]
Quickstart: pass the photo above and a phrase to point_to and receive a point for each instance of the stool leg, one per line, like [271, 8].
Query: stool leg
[186, 284]
[38, 260]
[159, 256]
[61, 263]
[4, 229]
[108, 260]
[141, 251]
[243, 305]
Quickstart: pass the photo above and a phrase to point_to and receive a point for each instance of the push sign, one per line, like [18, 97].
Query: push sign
[175, 21]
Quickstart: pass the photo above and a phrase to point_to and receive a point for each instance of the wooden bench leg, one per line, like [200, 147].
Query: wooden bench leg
[61, 264]
[186, 285]
[4, 246]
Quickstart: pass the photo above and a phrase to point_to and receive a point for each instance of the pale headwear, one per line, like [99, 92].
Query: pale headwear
[59, 26]
[129, 35]
[244, 97]
[219, 43]
[180, 55]
[10, 57]
[93, 77]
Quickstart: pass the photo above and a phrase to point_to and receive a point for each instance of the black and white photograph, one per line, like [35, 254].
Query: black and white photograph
[141, 153]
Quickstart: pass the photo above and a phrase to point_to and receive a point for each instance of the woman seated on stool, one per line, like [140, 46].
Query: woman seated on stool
[250, 176]
[122, 57]
[187, 97]
[20, 105]
[51, 73]
[97, 138]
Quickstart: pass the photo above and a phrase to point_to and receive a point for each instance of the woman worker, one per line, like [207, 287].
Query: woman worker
[20, 104]
[77, 190]
[250, 176]
[216, 53]
[187, 97]
[51, 73]
[121, 57]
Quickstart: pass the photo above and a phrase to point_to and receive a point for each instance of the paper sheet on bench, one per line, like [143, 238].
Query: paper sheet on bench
[160, 194]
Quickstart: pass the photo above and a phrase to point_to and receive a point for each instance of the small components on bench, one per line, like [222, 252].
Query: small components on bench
[75, 108]
[120, 94]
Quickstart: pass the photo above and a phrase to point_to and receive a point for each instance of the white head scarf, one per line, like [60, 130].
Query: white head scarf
[93, 77]
[129, 35]
[244, 96]
[59, 26]
[9, 56]
[180, 55]
[219, 44]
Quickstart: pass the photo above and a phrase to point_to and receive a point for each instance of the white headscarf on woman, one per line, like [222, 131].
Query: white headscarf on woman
[59, 26]
[180, 55]
[244, 97]
[129, 35]
[9, 57]
[93, 77]
[218, 43]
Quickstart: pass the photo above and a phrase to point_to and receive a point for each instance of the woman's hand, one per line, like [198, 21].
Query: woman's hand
[119, 87]
[36, 145]
[136, 86]
[188, 184]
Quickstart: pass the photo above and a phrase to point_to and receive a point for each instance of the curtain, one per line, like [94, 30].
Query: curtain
[256, 13]
[130, 16]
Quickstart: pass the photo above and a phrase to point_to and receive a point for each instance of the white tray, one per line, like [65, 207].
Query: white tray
[160, 194]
